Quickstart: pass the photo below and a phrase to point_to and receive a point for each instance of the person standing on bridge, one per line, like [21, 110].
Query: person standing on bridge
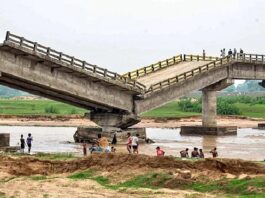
[230, 53]
[241, 53]
[234, 53]
[223, 53]
[29, 142]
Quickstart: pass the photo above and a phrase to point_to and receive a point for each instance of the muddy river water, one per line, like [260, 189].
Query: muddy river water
[247, 144]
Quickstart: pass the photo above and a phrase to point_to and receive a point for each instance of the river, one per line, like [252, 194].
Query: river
[248, 144]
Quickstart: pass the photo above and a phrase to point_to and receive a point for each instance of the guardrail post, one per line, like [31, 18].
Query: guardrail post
[84, 65]
[105, 72]
[174, 61]
[198, 58]
[244, 57]
[21, 41]
[7, 35]
[137, 73]
[144, 70]
[152, 66]
[250, 57]
[159, 64]
[48, 51]
[35, 47]
[184, 57]
[72, 60]
[129, 75]
[167, 62]
[262, 58]
[60, 56]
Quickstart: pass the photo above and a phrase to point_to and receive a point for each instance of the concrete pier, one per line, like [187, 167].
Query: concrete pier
[4, 139]
[209, 112]
[209, 108]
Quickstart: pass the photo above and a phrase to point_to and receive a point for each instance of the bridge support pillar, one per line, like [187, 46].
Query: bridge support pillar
[110, 121]
[209, 109]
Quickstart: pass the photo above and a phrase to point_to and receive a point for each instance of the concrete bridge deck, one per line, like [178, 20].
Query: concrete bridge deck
[169, 72]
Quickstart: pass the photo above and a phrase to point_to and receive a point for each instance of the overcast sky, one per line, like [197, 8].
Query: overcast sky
[123, 35]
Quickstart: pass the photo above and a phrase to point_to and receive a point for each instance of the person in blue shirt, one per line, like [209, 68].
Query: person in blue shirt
[29, 142]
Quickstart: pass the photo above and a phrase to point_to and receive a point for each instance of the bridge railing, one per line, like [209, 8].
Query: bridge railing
[189, 74]
[191, 57]
[250, 57]
[69, 60]
[154, 67]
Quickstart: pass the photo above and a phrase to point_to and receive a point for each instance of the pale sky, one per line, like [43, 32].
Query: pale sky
[122, 35]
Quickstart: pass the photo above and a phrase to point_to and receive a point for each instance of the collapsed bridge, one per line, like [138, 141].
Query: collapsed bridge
[115, 100]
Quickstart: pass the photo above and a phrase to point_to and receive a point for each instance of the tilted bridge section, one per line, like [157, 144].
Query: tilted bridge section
[116, 100]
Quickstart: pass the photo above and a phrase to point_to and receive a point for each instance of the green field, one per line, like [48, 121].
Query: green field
[37, 107]
[170, 110]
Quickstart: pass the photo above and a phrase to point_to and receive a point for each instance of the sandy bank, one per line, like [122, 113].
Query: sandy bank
[75, 121]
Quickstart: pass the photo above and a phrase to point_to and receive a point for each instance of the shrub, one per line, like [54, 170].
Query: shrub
[187, 105]
[52, 109]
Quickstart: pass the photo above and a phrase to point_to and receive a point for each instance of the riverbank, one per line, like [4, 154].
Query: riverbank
[107, 175]
[76, 121]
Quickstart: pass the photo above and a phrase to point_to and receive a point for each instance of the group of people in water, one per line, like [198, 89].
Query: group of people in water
[102, 145]
[196, 153]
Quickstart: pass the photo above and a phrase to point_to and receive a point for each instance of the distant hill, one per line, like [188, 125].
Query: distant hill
[247, 86]
[6, 92]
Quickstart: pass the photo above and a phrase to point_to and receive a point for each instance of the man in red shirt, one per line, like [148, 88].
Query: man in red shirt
[159, 152]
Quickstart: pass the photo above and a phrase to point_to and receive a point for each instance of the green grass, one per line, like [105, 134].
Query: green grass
[253, 187]
[37, 107]
[142, 181]
[249, 110]
[87, 174]
[55, 156]
[170, 110]
[38, 177]
[49, 107]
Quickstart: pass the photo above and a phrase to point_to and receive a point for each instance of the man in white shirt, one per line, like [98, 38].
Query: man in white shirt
[135, 143]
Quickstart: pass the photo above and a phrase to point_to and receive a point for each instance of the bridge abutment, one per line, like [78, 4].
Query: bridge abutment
[209, 113]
